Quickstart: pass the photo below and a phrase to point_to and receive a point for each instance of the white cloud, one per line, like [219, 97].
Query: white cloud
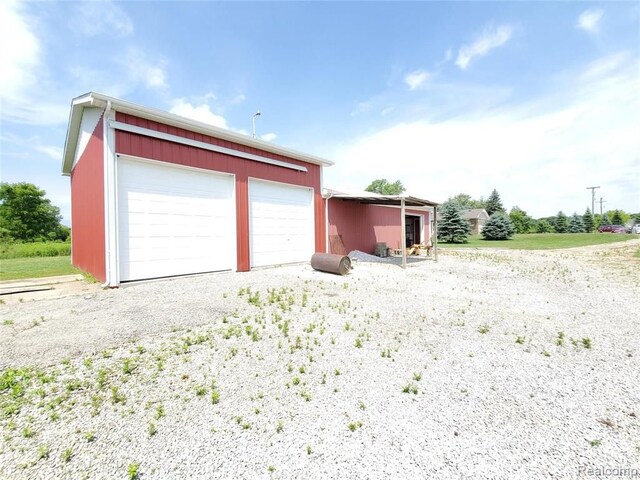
[589, 20]
[416, 79]
[51, 151]
[141, 69]
[491, 38]
[201, 113]
[268, 137]
[238, 99]
[19, 52]
[102, 17]
[540, 155]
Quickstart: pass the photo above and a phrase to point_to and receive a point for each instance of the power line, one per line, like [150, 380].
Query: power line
[601, 202]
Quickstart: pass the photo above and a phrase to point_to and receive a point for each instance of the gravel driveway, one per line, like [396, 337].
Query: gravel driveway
[487, 364]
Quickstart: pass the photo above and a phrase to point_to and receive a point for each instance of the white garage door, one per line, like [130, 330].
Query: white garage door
[280, 223]
[173, 220]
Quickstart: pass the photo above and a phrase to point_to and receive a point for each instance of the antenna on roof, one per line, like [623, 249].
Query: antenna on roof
[253, 120]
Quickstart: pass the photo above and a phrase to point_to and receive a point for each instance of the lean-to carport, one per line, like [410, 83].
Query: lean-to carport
[401, 201]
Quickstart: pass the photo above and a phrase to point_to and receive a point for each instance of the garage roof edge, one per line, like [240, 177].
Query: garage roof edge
[93, 99]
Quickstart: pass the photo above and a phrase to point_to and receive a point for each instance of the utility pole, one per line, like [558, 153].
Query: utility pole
[593, 200]
[601, 202]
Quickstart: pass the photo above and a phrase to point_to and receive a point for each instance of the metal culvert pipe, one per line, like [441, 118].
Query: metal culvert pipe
[331, 263]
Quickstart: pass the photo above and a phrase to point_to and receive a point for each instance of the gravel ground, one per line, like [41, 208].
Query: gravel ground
[486, 364]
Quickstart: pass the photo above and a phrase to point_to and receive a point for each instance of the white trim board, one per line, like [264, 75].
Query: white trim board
[202, 145]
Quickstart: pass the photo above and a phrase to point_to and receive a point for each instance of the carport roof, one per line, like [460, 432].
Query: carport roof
[377, 199]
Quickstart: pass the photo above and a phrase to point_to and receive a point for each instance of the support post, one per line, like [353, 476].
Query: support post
[403, 240]
[435, 233]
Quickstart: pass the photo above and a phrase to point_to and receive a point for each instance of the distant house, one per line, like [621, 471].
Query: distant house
[477, 218]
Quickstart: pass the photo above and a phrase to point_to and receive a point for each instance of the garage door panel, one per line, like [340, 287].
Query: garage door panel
[281, 223]
[173, 221]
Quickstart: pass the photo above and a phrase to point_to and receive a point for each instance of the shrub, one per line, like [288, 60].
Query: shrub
[498, 227]
[34, 249]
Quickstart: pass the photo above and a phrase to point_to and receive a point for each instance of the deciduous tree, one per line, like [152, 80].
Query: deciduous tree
[27, 215]
[384, 187]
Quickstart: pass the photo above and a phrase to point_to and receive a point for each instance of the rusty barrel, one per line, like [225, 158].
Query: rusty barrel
[330, 263]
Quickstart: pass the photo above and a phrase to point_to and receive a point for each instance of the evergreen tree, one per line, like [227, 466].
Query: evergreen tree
[617, 218]
[562, 222]
[587, 220]
[575, 224]
[494, 204]
[452, 228]
[605, 219]
[498, 227]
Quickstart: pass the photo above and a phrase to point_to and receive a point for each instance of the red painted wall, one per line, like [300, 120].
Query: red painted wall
[87, 208]
[362, 226]
[152, 148]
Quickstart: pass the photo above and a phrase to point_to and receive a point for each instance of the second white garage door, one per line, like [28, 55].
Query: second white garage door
[280, 223]
[173, 220]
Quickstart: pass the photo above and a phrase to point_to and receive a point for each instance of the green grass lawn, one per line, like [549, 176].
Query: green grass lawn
[35, 267]
[543, 241]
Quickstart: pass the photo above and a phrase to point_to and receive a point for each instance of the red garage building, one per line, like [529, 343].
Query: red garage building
[154, 194]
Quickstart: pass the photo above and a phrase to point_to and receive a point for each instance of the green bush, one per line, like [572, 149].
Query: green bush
[34, 249]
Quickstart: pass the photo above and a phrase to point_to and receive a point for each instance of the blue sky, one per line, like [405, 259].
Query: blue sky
[536, 99]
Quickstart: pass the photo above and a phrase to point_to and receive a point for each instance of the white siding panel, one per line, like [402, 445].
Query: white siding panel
[173, 221]
[281, 223]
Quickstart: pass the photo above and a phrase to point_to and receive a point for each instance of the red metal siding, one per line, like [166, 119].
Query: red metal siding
[156, 149]
[362, 226]
[87, 208]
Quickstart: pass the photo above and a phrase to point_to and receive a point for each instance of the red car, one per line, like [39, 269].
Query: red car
[612, 229]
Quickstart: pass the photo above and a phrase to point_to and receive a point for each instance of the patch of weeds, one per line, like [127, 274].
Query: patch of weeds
[410, 388]
[43, 452]
[546, 353]
[159, 412]
[279, 426]
[133, 471]
[67, 455]
[353, 426]
[96, 401]
[117, 397]
[417, 376]
[386, 353]
[301, 369]
[358, 343]
[7, 322]
[295, 380]
[336, 372]
[102, 378]
[152, 429]
[309, 451]
[201, 390]
[361, 405]
[484, 329]
[596, 442]
[215, 393]
[586, 342]
[271, 469]
[88, 363]
[90, 436]
[560, 339]
[27, 432]
[519, 340]
[306, 395]
[347, 326]
[107, 354]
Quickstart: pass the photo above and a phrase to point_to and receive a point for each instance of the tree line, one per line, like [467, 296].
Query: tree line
[502, 225]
